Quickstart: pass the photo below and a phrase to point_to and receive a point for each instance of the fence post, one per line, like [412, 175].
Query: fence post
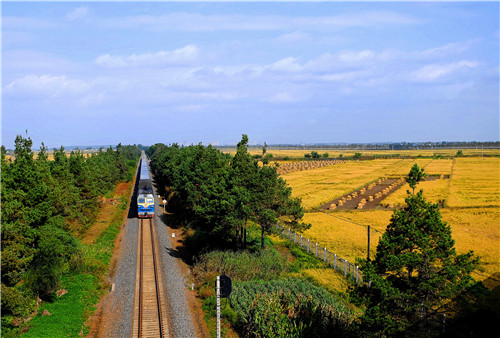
[325, 254]
[289, 235]
[345, 267]
[316, 249]
[357, 273]
[294, 236]
[308, 245]
[301, 241]
[335, 262]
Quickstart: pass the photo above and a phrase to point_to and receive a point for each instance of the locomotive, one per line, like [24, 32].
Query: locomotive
[145, 198]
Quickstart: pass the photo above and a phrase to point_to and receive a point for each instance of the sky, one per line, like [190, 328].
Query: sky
[92, 73]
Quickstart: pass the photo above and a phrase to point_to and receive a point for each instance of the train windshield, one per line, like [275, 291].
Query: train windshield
[141, 200]
[150, 200]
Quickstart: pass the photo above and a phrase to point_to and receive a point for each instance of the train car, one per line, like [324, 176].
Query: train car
[145, 198]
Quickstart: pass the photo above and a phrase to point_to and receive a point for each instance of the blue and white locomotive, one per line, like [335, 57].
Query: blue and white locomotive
[145, 198]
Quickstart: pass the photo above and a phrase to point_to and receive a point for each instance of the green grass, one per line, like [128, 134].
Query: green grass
[68, 312]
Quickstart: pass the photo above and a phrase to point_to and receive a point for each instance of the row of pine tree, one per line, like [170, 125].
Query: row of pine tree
[46, 206]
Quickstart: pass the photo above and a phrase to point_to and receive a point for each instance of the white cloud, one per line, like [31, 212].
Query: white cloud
[77, 13]
[289, 64]
[46, 85]
[182, 56]
[433, 72]
[349, 56]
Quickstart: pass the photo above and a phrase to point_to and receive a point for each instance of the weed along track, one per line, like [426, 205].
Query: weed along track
[150, 312]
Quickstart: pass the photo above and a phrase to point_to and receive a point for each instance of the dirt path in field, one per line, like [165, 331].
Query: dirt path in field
[108, 208]
[369, 196]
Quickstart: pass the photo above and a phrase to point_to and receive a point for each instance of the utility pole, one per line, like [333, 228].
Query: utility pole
[217, 291]
[368, 258]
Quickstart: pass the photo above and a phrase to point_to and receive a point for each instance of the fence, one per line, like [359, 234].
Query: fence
[332, 259]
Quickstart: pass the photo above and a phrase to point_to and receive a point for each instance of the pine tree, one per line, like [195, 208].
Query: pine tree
[415, 271]
[415, 175]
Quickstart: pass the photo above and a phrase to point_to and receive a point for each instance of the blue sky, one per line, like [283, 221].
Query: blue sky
[86, 73]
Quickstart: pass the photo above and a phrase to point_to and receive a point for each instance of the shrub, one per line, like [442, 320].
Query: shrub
[242, 266]
[287, 308]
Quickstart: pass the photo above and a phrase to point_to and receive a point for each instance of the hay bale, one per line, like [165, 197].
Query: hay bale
[349, 197]
[340, 203]
[370, 198]
[333, 206]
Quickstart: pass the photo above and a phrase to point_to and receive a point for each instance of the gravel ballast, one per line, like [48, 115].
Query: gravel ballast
[120, 303]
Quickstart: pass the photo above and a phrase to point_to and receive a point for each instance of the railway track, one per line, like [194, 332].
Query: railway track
[150, 312]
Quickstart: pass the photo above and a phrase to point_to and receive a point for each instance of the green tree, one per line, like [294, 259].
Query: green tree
[415, 271]
[415, 175]
[274, 202]
[244, 170]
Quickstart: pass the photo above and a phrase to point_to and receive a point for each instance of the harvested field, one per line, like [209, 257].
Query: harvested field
[319, 186]
[349, 152]
[368, 197]
[467, 189]
[289, 167]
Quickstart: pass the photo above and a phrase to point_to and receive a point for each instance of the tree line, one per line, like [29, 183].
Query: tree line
[46, 206]
[218, 194]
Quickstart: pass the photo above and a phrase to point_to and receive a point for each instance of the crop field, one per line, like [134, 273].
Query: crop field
[299, 153]
[469, 188]
[320, 186]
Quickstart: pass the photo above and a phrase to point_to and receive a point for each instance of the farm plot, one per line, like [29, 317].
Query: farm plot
[319, 186]
[471, 197]
[335, 152]
[367, 197]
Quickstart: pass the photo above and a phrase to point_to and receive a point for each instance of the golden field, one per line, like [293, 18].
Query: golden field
[299, 153]
[319, 186]
[471, 195]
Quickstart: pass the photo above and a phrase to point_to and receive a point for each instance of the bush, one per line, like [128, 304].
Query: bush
[287, 308]
[16, 302]
[460, 153]
[242, 266]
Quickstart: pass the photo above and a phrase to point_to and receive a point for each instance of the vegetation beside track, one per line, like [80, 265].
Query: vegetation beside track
[220, 202]
[46, 207]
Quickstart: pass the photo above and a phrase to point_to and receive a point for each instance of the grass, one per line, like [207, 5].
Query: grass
[69, 312]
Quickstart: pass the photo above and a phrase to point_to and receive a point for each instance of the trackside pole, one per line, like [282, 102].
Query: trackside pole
[217, 291]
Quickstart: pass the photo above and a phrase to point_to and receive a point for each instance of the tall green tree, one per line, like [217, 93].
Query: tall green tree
[415, 271]
[274, 202]
[244, 177]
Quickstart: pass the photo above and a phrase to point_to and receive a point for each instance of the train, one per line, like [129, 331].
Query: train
[145, 197]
